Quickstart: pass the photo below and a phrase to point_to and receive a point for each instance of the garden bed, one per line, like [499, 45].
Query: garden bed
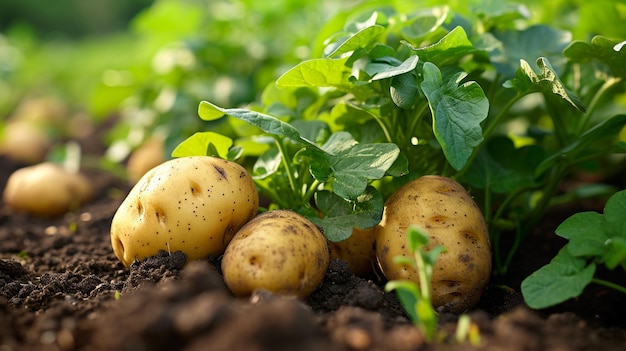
[61, 287]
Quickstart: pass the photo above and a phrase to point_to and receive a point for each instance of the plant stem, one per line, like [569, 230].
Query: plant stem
[593, 105]
[424, 284]
[609, 284]
[287, 164]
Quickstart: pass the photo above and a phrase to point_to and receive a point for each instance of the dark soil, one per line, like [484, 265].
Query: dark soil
[62, 288]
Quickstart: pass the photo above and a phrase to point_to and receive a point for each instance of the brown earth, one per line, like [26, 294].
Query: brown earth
[62, 288]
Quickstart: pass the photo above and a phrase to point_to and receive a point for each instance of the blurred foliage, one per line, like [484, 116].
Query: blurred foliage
[175, 53]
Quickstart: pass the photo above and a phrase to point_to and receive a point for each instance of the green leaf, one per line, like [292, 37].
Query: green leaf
[416, 238]
[408, 294]
[546, 81]
[457, 109]
[266, 123]
[603, 130]
[566, 276]
[424, 23]
[528, 44]
[586, 234]
[616, 253]
[404, 90]
[341, 215]
[610, 52]
[362, 39]
[267, 164]
[385, 70]
[352, 168]
[615, 214]
[451, 48]
[501, 167]
[204, 144]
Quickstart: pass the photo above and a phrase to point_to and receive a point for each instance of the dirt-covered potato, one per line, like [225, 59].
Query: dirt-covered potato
[280, 251]
[46, 190]
[446, 211]
[189, 204]
[358, 251]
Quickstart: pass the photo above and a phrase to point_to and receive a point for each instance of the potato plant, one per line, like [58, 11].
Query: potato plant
[394, 94]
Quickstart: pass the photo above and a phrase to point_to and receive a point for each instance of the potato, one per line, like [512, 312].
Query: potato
[24, 142]
[280, 251]
[147, 156]
[446, 212]
[46, 190]
[191, 204]
[359, 251]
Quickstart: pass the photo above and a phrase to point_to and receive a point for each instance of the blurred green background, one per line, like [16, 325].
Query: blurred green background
[149, 63]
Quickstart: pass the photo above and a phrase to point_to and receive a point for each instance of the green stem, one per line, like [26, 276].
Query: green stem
[509, 257]
[424, 285]
[310, 191]
[609, 285]
[287, 164]
[593, 105]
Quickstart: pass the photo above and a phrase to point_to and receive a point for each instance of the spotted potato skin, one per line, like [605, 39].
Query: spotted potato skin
[445, 210]
[189, 204]
[280, 251]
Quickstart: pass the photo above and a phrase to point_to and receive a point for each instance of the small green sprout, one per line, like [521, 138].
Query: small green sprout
[416, 299]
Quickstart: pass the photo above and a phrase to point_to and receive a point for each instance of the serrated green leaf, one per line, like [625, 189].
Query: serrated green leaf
[457, 109]
[566, 276]
[204, 144]
[449, 49]
[362, 39]
[610, 52]
[340, 216]
[352, 168]
[546, 81]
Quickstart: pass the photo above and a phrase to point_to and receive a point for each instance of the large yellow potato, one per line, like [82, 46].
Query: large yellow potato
[358, 251]
[191, 204]
[280, 251]
[46, 190]
[446, 212]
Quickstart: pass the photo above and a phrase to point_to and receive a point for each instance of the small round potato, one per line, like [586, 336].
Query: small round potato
[190, 204]
[46, 190]
[280, 251]
[446, 212]
[358, 251]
